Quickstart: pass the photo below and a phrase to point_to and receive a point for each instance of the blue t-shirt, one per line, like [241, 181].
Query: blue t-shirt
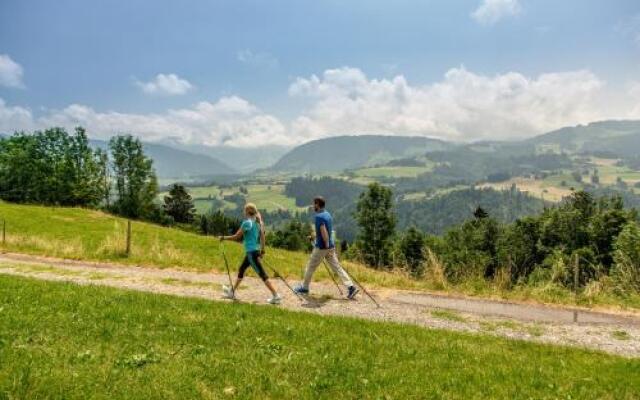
[324, 218]
[250, 235]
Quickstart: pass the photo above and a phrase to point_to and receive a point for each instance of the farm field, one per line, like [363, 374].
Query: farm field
[610, 174]
[555, 187]
[267, 197]
[63, 340]
[543, 189]
[391, 172]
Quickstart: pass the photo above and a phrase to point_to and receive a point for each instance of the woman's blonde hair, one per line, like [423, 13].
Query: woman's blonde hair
[251, 209]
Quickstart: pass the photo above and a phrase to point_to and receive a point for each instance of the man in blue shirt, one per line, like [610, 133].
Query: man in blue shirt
[324, 249]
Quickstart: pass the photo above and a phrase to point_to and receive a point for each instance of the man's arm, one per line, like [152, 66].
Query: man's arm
[325, 235]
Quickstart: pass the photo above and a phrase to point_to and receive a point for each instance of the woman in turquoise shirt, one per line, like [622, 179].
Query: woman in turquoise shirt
[251, 233]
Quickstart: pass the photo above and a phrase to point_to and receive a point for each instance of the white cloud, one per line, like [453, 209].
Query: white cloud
[491, 11]
[230, 121]
[463, 106]
[166, 84]
[10, 72]
[14, 118]
[257, 59]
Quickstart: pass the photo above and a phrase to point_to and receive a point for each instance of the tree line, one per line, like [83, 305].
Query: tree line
[53, 167]
[583, 239]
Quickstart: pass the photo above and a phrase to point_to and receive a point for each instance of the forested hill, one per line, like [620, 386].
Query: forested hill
[622, 138]
[345, 152]
[438, 214]
[174, 163]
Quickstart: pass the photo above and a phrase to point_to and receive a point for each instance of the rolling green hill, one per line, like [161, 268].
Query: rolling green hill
[351, 152]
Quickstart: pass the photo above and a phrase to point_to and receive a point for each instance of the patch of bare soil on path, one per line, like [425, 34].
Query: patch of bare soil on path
[609, 332]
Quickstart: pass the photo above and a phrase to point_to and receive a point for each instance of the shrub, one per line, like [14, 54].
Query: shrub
[411, 247]
[626, 270]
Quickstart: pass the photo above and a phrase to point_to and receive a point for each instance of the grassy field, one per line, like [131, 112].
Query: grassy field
[391, 172]
[267, 197]
[610, 174]
[95, 236]
[59, 340]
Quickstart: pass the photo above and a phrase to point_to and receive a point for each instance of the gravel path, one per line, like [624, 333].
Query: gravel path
[609, 332]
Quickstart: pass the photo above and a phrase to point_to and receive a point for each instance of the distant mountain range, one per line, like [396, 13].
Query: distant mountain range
[170, 162]
[241, 159]
[344, 152]
[337, 153]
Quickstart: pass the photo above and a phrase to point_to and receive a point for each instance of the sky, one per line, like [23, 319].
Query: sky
[250, 73]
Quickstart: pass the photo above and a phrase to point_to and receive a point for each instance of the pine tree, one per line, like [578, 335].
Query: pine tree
[377, 225]
[412, 249]
[179, 204]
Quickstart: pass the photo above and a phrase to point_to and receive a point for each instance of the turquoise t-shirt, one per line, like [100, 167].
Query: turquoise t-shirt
[250, 235]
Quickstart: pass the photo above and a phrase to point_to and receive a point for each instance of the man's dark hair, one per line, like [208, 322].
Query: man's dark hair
[319, 201]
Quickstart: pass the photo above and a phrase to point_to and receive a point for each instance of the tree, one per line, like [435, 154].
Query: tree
[179, 204]
[627, 257]
[51, 167]
[377, 224]
[412, 249]
[135, 179]
[293, 237]
[595, 178]
[480, 213]
[84, 169]
[217, 223]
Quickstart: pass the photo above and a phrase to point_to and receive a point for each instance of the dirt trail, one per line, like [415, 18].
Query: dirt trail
[609, 332]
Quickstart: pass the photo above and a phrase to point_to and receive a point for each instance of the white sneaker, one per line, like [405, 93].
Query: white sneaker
[276, 299]
[228, 293]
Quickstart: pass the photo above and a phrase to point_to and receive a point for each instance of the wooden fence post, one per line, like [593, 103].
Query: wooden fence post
[128, 237]
[576, 279]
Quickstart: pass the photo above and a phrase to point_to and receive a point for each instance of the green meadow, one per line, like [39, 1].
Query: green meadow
[59, 340]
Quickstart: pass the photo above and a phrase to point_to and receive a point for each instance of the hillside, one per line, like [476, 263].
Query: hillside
[243, 159]
[621, 138]
[170, 162]
[347, 152]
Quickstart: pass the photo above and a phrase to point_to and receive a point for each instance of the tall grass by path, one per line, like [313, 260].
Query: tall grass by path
[83, 234]
[59, 340]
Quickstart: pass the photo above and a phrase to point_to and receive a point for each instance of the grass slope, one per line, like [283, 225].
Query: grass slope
[66, 341]
[82, 234]
[93, 235]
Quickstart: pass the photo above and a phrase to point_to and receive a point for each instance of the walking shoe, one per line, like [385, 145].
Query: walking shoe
[301, 290]
[275, 299]
[352, 292]
[228, 293]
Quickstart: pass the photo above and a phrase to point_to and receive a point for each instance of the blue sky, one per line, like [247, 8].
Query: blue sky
[246, 73]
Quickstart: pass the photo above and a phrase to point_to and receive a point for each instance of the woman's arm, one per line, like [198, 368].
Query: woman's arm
[236, 237]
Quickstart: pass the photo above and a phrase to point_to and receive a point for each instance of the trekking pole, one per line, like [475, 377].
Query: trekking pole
[333, 278]
[361, 287]
[277, 275]
[226, 264]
